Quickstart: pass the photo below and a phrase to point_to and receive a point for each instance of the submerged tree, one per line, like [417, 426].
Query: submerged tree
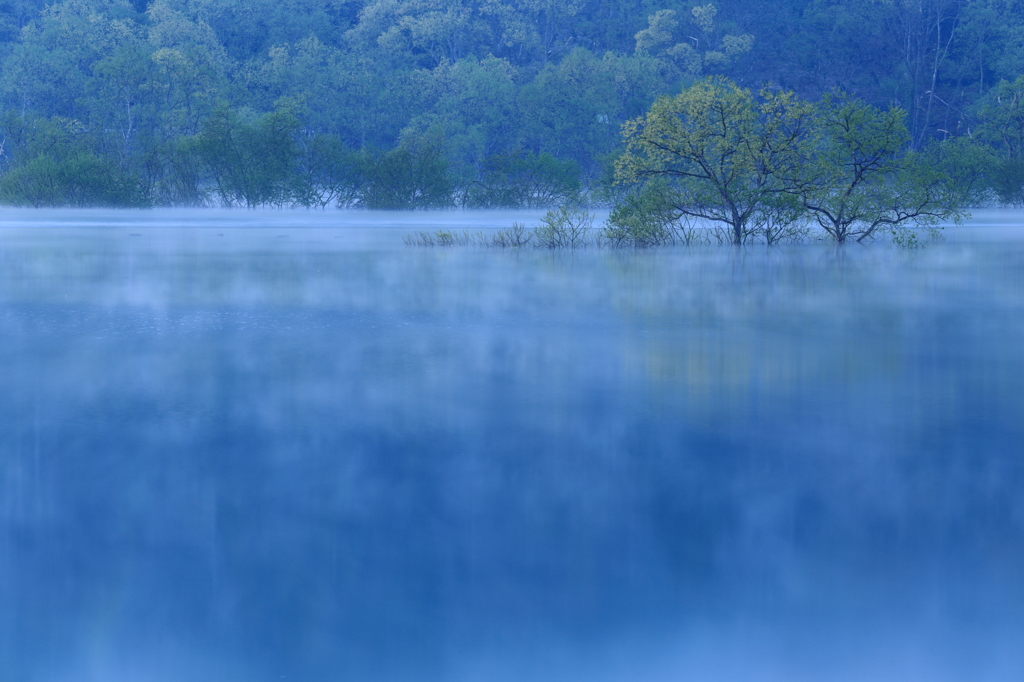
[518, 180]
[408, 177]
[851, 170]
[51, 162]
[862, 176]
[766, 166]
[722, 155]
[252, 158]
[328, 172]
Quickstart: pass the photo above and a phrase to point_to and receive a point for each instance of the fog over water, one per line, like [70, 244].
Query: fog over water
[262, 446]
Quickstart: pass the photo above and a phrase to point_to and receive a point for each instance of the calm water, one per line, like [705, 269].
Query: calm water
[240, 446]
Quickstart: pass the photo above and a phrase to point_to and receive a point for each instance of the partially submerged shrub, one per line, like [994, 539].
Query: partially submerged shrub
[564, 227]
[1008, 182]
[907, 237]
[406, 178]
[778, 221]
[571, 227]
[516, 236]
[445, 238]
[79, 180]
[524, 180]
[641, 220]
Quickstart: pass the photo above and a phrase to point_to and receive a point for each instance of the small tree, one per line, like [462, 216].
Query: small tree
[930, 187]
[406, 178]
[251, 157]
[327, 172]
[642, 219]
[850, 172]
[524, 179]
[1001, 125]
[51, 162]
[723, 154]
[565, 227]
[861, 176]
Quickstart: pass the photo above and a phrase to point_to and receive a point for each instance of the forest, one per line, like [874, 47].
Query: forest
[477, 103]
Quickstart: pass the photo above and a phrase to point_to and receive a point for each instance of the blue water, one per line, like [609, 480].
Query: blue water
[243, 446]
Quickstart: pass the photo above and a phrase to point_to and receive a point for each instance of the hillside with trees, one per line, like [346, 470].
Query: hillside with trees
[432, 103]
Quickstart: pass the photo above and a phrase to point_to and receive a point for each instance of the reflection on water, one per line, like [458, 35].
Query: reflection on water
[282, 446]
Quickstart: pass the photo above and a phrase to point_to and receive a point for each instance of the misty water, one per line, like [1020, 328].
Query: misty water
[247, 446]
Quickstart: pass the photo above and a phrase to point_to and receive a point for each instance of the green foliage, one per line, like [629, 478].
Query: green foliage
[781, 218]
[524, 180]
[182, 176]
[567, 227]
[964, 170]
[1001, 126]
[847, 183]
[327, 173]
[721, 154]
[406, 178]
[252, 158]
[764, 167]
[700, 48]
[564, 227]
[80, 180]
[642, 219]
[906, 237]
[1008, 181]
[1001, 118]
[513, 95]
[51, 163]
[573, 109]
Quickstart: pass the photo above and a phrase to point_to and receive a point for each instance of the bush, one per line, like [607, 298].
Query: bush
[252, 158]
[184, 177]
[524, 181]
[407, 178]
[564, 227]
[80, 180]
[643, 219]
[328, 172]
[515, 237]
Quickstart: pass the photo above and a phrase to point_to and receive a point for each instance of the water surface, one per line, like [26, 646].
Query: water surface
[283, 446]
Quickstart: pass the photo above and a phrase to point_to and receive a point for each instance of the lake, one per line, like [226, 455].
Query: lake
[262, 446]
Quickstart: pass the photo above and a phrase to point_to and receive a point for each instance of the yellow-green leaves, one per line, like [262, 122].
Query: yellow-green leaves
[694, 49]
[723, 152]
[760, 165]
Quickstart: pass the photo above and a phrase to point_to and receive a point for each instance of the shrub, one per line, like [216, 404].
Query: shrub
[564, 227]
[252, 158]
[80, 180]
[525, 180]
[643, 219]
[328, 172]
[407, 178]
[1008, 181]
[515, 236]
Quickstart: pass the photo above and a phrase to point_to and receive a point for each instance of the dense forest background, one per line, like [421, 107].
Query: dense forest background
[416, 103]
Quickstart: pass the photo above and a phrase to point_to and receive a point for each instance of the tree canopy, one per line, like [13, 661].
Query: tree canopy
[757, 164]
[492, 92]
